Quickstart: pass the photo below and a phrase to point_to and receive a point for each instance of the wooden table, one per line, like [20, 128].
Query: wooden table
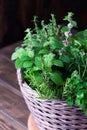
[13, 110]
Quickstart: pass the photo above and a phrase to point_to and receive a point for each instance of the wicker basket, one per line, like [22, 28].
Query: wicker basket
[52, 114]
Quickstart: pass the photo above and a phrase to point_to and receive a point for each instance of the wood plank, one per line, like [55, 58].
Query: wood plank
[8, 123]
[8, 72]
[8, 86]
[8, 50]
[13, 110]
[7, 68]
[13, 105]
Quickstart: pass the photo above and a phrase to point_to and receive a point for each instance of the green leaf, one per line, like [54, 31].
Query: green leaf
[46, 43]
[77, 101]
[36, 43]
[14, 56]
[27, 30]
[56, 44]
[43, 51]
[21, 52]
[27, 41]
[65, 29]
[80, 94]
[38, 62]
[48, 59]
[38, 77]
[36, 68]
[56, 78]
[81, 34]
[85, 110]
[74, 23]
[65, 58]
[68, 17]
[70, 102]
[30, 53]
[27, 64]
[58, 63]
[18, 63]
[81, 37]
[25, 58]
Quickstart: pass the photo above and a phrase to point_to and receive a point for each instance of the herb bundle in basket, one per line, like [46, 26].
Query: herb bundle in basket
[53, 62]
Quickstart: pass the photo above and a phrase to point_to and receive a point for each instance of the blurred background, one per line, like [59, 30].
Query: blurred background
[17, 15]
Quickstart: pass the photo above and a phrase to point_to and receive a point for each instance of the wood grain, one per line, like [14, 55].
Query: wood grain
[7, 68]
[8, 123]
[14, 105]
[13, 110]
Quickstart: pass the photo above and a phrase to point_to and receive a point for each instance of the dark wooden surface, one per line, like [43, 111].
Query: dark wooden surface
[13, 110]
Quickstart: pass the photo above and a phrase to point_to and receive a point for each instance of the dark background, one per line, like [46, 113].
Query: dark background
[17, 15]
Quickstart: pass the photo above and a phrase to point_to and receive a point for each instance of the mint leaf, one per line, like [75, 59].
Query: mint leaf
[18, 63]
[14, 56]
[43, 51]
[65, 29]
[58, 63]
[27, 64]
[56, 78]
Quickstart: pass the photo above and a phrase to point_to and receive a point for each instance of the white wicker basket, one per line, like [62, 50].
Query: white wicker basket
[52, 114]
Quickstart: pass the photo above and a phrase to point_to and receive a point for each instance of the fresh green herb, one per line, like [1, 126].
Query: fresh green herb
[54, 62]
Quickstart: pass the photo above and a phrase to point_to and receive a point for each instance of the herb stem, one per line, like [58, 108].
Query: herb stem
[84, 70]
[79, 69]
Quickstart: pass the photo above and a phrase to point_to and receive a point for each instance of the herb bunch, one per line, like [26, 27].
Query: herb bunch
[54, 62]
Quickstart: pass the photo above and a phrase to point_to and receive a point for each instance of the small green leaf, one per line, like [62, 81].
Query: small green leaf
[36, 68]
[18, 63]
[30, 53]
[56, 78]
[14, 56]
[80, 94]
[36, 43]
[48, 59]
[25, 58]
[38, 62]
[43, 51]
[46, 43]
[65, 29]
[38, 77]
[21, 52]
[68, 17]
[58, 63]
[74, 23]
[85, 110]
[77, 101]
[70, 102]
[27, 30]
[56, 44]
[65, 58]
[26, 42]
[27, 64]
